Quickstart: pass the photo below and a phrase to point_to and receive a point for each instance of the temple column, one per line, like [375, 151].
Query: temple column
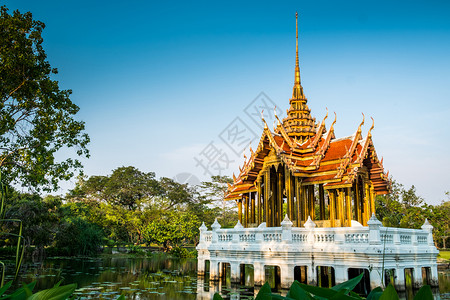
[358, 201]
[332, 207]
[266, 196]
[348, 206]
[253, 212]
[258, 202]
[292, 195]
[289, 194]
[338, 207]
[279, 196]
[245, 211]
[303, 203]
[312, 211]
[341, 206]
[273, 201]
[321, 202]
[297, 200]
[366, 202]
[372, 200]
[239, 202]
[287, 188]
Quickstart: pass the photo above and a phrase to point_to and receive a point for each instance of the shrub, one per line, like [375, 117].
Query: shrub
[182, 252]
[79, 237]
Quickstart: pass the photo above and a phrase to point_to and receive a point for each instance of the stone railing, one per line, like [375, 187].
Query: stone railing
[373, 234]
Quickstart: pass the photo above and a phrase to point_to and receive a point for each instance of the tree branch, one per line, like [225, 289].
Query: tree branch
[15, 90]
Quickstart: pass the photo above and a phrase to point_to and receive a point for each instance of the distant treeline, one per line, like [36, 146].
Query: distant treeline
[128, 207]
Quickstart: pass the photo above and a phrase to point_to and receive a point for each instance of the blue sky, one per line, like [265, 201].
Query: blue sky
[157, 82]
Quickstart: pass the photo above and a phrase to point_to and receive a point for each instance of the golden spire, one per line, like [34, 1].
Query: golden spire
[297, 92]
[299, 123]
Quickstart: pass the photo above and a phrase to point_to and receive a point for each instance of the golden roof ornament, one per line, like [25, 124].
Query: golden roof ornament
[297, 92]
[299, 122]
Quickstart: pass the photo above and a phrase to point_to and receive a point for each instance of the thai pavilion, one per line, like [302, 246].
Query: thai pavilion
[306, 204]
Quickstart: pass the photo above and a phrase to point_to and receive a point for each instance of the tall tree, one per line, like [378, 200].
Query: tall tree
[36, 116]
[210, 195]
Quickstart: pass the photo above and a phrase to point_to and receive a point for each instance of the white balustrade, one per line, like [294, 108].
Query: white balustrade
[337, 236]
[310, 246]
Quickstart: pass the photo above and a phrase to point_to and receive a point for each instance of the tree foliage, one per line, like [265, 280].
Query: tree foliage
[405, 209]
[36, 116]
[127, 201]
[211, 203]
[40, 217]
[77, 236]
[173, 229]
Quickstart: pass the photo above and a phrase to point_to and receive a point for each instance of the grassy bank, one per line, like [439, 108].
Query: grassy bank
[444, 254]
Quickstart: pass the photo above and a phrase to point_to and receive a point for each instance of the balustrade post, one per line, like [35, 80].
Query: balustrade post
[396, 236]
[203, 229]
[374, 230]
[427, 227]
[414, 241]
[259, 232]
[215, 226]
[310, 225]
[235, 233]
[286, 230]
[339, 236]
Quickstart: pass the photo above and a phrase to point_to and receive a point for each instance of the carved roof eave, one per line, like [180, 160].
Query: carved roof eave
[366, 149]
[321, 153]
[284, 134]
[350, 152]
[319, 133]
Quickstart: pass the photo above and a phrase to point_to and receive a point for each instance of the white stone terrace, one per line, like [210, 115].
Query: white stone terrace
[373, 248]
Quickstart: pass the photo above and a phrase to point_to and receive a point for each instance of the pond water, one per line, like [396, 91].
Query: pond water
[145, 278]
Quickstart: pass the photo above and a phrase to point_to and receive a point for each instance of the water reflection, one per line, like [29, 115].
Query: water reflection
[149, 278]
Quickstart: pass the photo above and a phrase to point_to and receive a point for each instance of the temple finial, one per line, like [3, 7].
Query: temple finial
[297, 67]
[297, 92]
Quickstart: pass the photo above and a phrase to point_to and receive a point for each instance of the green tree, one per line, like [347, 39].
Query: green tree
[210, 202]
[402, 207]
[129, 187]
[124, 202]
[36, 117]
[441, 222]
[76, 236]
[40, 217]
[173, 229]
